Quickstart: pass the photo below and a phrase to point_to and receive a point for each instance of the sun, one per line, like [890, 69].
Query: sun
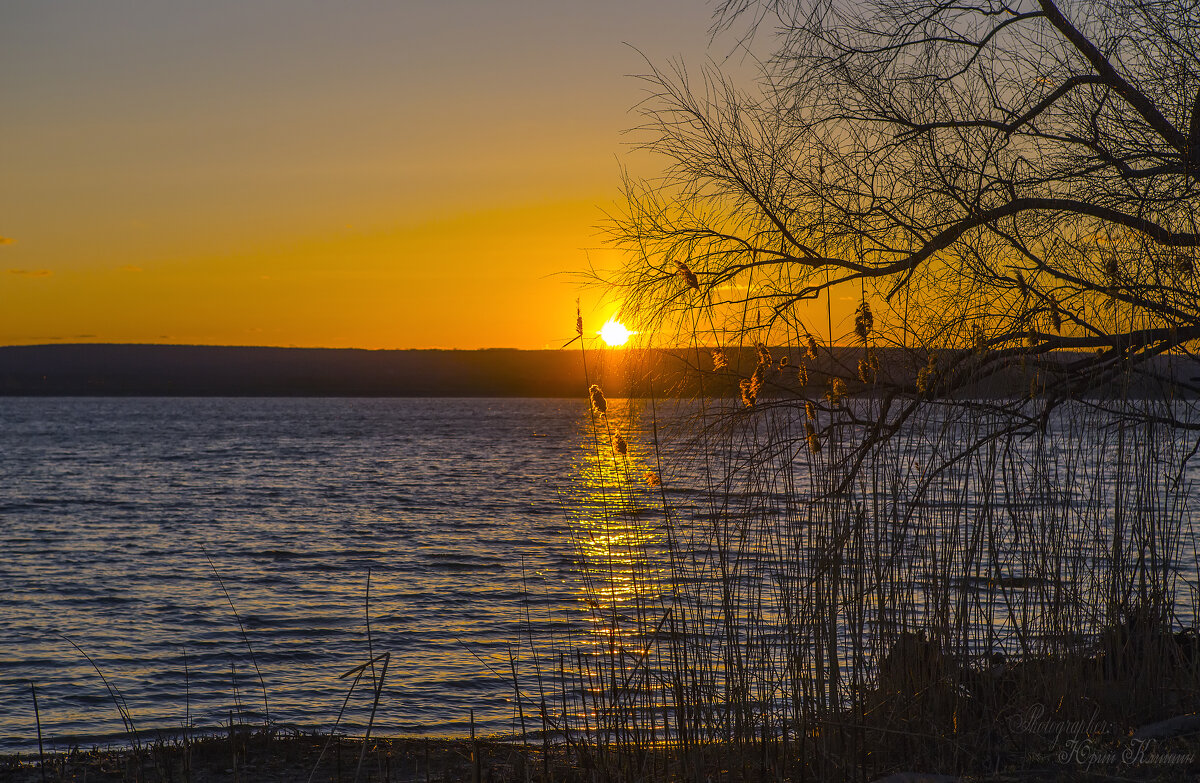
[614, 334]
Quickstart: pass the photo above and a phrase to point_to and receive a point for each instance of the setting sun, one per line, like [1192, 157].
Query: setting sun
[614, 333]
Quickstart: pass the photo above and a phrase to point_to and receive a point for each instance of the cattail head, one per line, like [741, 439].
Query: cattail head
[1055, 315]
[652, 479]
[619, 444]
[1031, 337]
[578, 319]
[810, 411]
[837, 390]
[758, 378]
[923, 380]
[783, 362]
[868, 367]
[719, 360]
[812, 347]
[749, 393]
[864, 321]
[928, 374]
[802, 374]
[978, 338]
[599, 404]
[764, 355]
[1184, 264]
[1021, 285]
[814, 443]
[688, 275]
[1112, 268]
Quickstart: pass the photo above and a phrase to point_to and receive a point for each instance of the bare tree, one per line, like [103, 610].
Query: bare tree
[997, 182]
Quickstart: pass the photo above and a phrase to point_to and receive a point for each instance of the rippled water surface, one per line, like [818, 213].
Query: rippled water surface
[167, 538]
[112, 508]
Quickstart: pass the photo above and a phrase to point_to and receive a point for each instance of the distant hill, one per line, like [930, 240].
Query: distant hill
[192, 370]
[195, 370]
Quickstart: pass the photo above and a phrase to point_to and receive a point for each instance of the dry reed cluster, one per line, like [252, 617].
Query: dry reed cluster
[773, 583]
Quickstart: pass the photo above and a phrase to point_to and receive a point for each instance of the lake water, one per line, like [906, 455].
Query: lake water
[491, 529]
[112, 509]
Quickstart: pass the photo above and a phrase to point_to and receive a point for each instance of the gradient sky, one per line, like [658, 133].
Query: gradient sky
[403, 174]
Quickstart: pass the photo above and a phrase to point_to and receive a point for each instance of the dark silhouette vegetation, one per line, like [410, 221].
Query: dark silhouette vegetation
[194, 370]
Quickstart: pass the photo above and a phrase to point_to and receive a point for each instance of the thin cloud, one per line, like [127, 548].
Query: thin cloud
[7, 240]
[31, 272]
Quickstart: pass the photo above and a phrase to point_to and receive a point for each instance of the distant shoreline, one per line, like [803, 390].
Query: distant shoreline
[139, 370]
[114, 370]
[142, 370]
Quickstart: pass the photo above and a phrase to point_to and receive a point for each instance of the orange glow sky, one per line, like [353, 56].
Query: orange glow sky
[408, 174]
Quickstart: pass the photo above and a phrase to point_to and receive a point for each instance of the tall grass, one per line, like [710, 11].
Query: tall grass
[793, 596]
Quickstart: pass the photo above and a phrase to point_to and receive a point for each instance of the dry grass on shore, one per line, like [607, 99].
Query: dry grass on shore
[257, 757]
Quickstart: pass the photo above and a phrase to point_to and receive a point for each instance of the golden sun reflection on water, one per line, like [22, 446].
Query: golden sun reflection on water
[620, 523]
[622, 536]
